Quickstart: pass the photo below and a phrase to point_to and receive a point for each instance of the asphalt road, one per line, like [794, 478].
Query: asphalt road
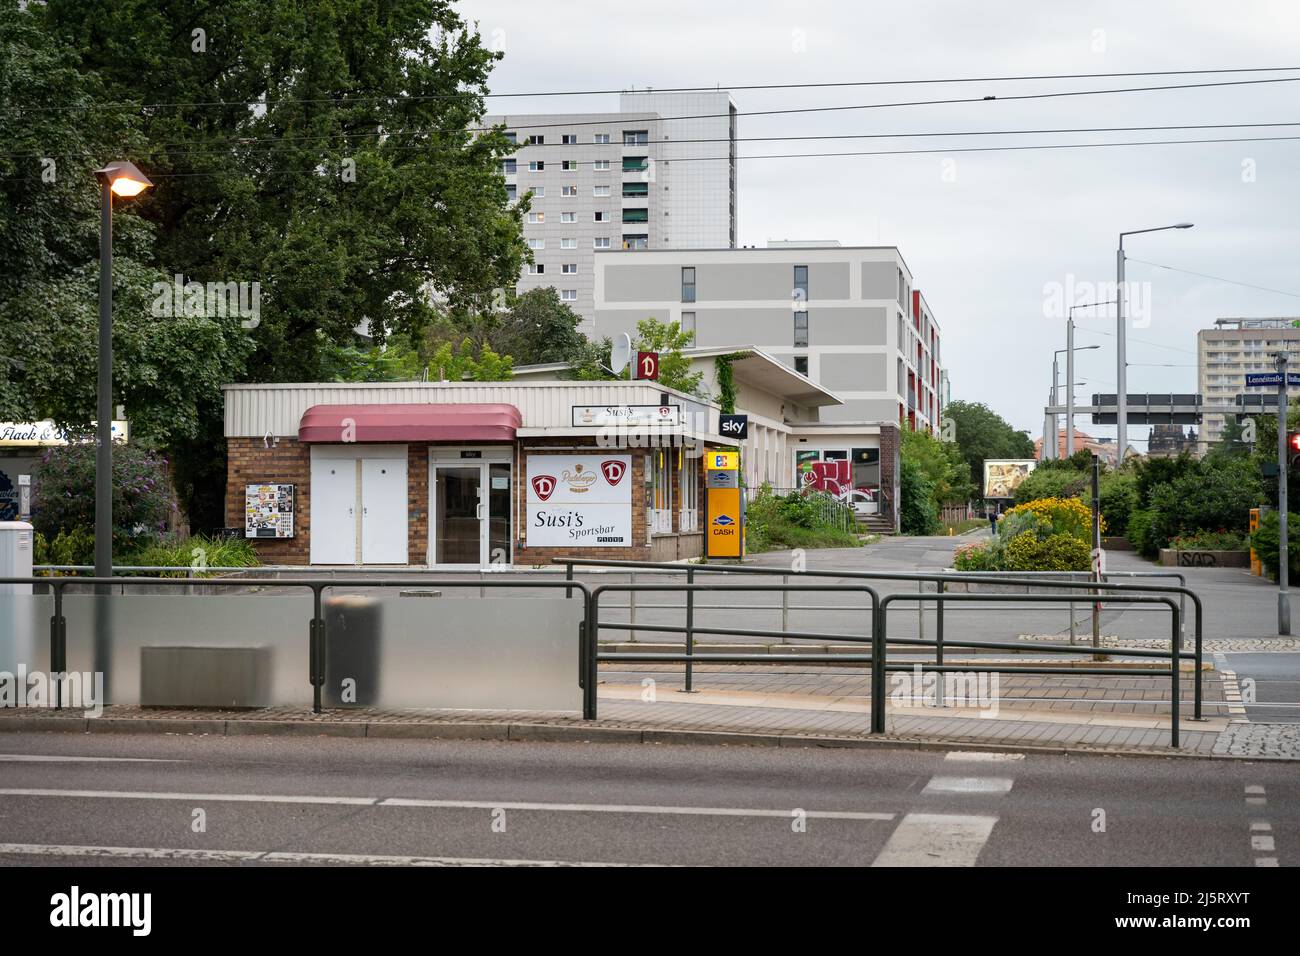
[110, 799]
[1276, 685]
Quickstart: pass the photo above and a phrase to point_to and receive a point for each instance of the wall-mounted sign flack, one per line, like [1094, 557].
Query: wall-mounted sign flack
[268, 511]
[579, 501]
[46, 433]
[601, 416]
[647, 365]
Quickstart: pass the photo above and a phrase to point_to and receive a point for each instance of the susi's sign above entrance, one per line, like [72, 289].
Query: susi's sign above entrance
[27, 434]
[598, 416]
[579, 501]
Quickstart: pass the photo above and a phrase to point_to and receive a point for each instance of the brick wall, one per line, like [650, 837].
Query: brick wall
[889, 467]
[248, 462]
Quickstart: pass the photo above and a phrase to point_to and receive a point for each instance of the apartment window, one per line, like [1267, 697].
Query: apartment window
[536, 140]
[568, 295]
[800, 293]
[538, 191]
[688, 283]
[801, 330]
[600, 191]
[601, 139]
[569, 268]
[509, 167]
[512, 192]
[600, 216]
[636, 215]
[536, 166]
[636, 189]
[801, 364]
[511, 137]
[568, 190]
[536, 217]
[635, 164]
[600, 242]
[689, 482]
[635, 137]
[536, 268]
[568, 243]
[636, 241]
[688, 322]
[600, 166]
[537, 245]
[568, 165]
[568, 217]
[569, 139]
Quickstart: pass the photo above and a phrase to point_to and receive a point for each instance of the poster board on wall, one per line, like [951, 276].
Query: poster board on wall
[268, 511]
[1003, 475]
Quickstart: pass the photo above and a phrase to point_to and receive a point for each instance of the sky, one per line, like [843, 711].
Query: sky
[995, 239]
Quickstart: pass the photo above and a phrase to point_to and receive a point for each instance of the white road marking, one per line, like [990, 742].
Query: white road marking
[936, 839]
[272, 856]
[53, 758]
[1264, 844]
[1261, 826]
[1266, 861]
[985, 785]
[1251, 788]
[978, 756]
[446, 804]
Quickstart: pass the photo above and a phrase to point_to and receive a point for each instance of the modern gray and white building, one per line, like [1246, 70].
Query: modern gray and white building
[658, 174]
[1230, 350]
[850, 319]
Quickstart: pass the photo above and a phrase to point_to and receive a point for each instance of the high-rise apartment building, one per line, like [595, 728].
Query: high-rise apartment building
[658, 174]
[1227, 352]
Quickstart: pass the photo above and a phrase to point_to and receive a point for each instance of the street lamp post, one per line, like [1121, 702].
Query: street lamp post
[1121, 363]
[125, 180]
[1069, 371]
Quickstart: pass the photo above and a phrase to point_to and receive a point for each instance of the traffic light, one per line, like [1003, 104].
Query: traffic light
[1292, 449]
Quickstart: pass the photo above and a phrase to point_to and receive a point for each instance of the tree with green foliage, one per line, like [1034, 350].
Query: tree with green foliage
[457, 363]
[982, 433]
[917, 512]
[942, 464]
[666, 338]
[334, 153]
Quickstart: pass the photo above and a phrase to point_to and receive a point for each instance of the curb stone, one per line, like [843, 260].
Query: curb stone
[560, 733]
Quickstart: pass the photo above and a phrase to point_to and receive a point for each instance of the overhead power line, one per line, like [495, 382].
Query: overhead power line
[1206, 275]
[243, 144]
[845, 84]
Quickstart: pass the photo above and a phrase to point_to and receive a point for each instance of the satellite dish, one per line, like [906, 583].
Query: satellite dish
[621, 353]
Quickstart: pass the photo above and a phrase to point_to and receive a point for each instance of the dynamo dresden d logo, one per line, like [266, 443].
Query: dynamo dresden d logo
[544, 486]
[614, 471]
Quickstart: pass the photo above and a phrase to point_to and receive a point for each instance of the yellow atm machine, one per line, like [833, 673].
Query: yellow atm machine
[724, 505]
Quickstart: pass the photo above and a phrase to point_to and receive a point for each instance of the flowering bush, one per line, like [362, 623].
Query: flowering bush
[1051, 516]
[1048, 534]
[63, 496]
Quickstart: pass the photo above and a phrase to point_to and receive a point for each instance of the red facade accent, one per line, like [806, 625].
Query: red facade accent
[408, 423]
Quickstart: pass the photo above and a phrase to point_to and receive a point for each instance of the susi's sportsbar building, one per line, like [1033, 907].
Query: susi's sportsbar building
[470, 474]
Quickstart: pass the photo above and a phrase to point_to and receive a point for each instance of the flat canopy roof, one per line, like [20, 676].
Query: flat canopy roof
[410, 422]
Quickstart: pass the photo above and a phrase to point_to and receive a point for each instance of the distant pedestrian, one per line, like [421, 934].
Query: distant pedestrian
[993, 519]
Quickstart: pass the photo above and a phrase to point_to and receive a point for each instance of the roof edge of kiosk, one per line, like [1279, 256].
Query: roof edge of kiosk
[424, 421]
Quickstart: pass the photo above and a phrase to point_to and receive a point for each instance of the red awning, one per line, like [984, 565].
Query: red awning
[422, 422]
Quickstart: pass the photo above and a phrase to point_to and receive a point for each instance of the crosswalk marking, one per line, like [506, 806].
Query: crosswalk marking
[976, 785]
[981, 756]
[936, 839]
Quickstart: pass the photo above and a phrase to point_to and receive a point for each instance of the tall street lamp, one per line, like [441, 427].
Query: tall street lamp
[1069, 370]
[1121, 363]
[1069, 351]
[126, 180]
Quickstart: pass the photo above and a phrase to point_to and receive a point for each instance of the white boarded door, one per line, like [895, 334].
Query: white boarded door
[383, 511]
[333, 510]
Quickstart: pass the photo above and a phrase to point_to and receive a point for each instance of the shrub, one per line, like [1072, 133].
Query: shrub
[918, 513]
[1049, 482]
[67, 547]
[1140, 533]
[1265, 541]
[224, 553]
[1209, 541]
[1119, 499]
[1068, 516]
[774, 522]
[63, 498]
[1217, 496]
[974, 557]
[1056, 552]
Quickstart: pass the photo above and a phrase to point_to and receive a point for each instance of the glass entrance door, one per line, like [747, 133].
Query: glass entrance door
[471, 511]
[458, 514]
